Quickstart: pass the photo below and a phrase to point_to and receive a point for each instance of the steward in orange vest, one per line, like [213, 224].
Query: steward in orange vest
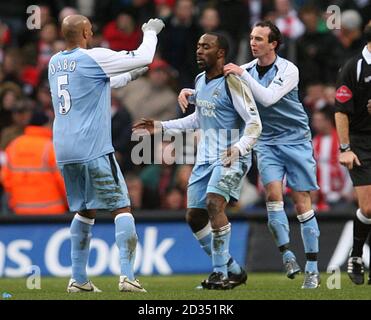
[30, 174]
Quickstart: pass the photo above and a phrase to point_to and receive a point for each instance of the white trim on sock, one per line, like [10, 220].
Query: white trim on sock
[84, 219]
[362, 218]
[203, 232]
[124, 214]
[223, 230]
[305, 216]
[274, 206]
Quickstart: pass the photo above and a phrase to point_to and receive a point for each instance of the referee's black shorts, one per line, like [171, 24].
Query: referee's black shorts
[361, 146]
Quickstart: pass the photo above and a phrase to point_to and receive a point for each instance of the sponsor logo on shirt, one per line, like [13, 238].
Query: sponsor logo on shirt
[343, 94]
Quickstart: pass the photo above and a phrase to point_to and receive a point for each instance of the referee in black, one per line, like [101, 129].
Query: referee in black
[353, 124]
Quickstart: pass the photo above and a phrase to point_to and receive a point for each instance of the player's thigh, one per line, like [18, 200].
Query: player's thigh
[74, 180]
[227, 181]
[300, 166]
[270, 163]
[105, 185]
[197, 186]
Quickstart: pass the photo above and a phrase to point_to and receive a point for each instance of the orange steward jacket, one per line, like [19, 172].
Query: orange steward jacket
[30, 174]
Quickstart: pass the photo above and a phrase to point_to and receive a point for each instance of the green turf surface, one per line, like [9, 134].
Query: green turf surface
[261, 286]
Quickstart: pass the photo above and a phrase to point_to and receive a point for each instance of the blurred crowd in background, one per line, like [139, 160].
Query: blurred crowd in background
[25, 98]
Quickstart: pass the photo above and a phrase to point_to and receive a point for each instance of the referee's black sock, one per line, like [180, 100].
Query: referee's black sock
[360, 233]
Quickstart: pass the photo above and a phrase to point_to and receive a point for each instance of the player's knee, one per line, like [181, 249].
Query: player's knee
[213, 206]
[90, 214]
[273, 196]
[197, 218]
[191, 217]
[301, 207]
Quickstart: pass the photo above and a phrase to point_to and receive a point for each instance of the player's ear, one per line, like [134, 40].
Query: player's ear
[221, 53]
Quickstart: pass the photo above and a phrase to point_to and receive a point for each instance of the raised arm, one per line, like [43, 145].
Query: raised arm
[114, 63]
[282, 84]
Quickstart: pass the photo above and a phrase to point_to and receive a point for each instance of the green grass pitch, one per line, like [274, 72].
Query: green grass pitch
[260, 286]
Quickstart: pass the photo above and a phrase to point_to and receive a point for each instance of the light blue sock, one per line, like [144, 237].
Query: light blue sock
[204, 238]
[277, 223]
[126, 241]
[80, 240]
[220, 249]
[233, 266]
[310, 234]
[287, 255]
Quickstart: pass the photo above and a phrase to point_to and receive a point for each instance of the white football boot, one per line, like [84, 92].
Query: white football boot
[88, 286]
[126, 285]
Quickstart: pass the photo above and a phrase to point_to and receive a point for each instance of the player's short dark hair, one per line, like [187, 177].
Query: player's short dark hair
[222, 41]
[274, 35]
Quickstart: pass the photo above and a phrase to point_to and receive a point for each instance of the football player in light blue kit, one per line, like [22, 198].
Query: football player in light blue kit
[80, 83]
[229, 125]
[284, 147]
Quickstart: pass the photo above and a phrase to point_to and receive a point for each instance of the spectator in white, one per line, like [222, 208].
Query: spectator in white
[287, 20]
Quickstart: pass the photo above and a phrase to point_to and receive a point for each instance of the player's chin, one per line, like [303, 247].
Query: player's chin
[201, 65]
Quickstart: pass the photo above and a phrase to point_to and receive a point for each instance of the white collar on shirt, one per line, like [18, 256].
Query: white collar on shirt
[366, 54]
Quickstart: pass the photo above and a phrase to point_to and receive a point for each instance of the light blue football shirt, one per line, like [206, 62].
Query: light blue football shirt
[80, 88]
[283, 116]
[226, 115]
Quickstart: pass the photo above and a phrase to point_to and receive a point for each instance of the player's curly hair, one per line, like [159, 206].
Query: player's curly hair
[274, 35]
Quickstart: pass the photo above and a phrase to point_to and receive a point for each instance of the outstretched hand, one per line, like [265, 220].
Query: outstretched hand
[146, 127]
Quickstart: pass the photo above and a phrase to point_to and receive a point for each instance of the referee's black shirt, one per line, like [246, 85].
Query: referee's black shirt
[353, 92]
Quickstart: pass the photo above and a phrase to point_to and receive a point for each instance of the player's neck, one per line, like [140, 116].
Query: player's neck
[215, 71]
[369, 47]
[267, 59]
[73, 45]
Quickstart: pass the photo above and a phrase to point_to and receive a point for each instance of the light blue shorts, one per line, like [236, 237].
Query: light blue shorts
[215, 178]
[96, 184]
[296, 161]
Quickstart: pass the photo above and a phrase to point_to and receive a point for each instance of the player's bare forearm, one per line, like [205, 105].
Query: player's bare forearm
[348, 158]
[342, 127]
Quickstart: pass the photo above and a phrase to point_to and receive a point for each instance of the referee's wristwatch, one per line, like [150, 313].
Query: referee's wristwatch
[344, 147]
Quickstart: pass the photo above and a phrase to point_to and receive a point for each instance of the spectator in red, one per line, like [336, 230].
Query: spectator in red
[123, 33]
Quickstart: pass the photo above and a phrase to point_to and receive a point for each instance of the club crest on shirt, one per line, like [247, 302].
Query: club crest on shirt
[216, 93]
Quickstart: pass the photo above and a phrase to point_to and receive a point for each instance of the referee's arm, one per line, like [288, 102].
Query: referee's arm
[344, 106]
